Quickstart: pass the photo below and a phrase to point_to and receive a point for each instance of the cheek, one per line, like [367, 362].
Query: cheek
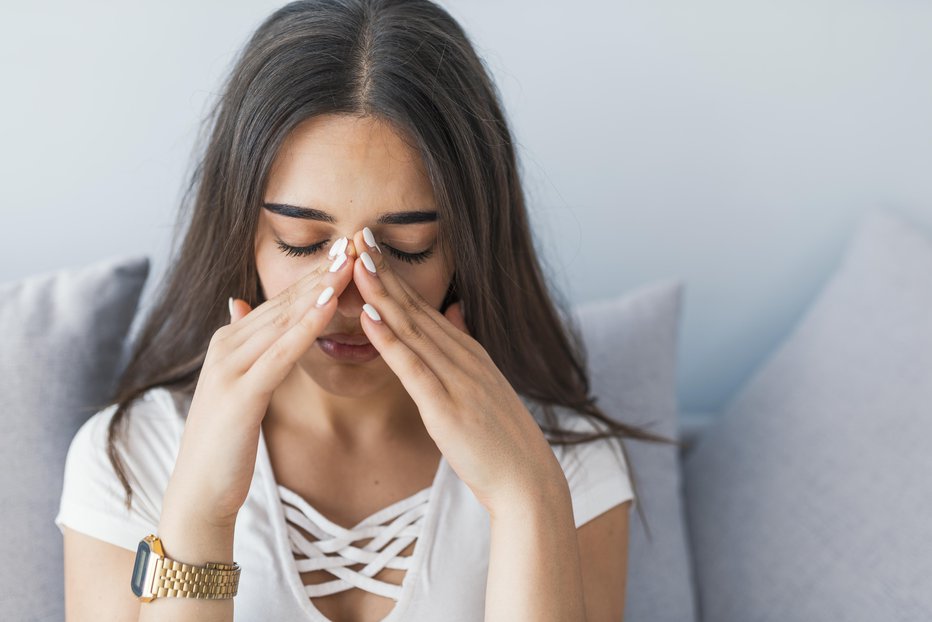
[431, 284]
[277, 271]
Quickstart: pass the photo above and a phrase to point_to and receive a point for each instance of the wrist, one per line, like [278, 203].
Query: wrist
[189, 538]
[546, 497]
[190, 506]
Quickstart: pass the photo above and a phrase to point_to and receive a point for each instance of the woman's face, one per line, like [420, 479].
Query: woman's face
[356, 171]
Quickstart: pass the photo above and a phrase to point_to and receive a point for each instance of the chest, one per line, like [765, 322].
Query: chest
[354, 527]
[355, 572]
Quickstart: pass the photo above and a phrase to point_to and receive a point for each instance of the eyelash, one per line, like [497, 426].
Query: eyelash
[303, 251]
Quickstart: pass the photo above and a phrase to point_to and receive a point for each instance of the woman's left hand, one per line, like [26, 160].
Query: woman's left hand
[468, 407]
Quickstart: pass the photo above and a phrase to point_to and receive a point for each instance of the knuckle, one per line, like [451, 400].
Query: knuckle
[281, 319]
[211, 374]
[218, 342]
[419, 367]
[476, 349]
[410, 328]
[381, 291]
[289, 296]
[211, 357]
[221, 334]
[410, 303]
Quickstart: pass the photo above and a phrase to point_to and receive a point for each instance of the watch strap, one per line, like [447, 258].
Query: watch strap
[214, 580]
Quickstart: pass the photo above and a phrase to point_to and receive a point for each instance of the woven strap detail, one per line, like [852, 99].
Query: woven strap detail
[333, 550]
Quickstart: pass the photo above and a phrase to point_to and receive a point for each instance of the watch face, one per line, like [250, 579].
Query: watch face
[139, 570]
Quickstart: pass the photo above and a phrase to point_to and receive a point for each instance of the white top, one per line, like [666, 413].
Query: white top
[444, 577]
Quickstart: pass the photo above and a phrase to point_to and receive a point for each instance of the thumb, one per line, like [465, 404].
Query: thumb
[238, 309]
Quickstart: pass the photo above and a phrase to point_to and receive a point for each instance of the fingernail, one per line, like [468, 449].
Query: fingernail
[324, 296]
[367, 261]
[338, 262]
[371, 312]
[231, 307]
[338, 247]
[370, 239]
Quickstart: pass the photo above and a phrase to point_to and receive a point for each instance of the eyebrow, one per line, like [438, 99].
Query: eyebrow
[388, 218]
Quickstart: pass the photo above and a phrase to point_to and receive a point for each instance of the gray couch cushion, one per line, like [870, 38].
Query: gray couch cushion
[632, 352]
[809, 498]
[62, 339]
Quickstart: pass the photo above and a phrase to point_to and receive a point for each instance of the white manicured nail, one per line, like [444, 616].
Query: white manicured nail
[324, 296]
[338, 262]
[338, 247]
[367, 262]
[370, 239]
[230, 303]
[371, 312]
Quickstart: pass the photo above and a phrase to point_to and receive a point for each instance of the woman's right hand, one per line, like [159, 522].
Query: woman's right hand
[246, 360]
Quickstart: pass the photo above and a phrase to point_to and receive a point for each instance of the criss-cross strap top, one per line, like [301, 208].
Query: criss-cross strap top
[392, 529]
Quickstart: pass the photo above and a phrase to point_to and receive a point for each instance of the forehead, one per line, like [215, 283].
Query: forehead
[344, 163]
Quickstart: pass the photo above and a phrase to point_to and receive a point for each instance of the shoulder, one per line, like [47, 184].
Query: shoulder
[597, 471]
[146, 443]
[150, 429]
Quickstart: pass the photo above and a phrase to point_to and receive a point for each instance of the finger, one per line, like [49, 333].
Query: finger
[285, 297]
[278, 357]
[439, 326]
[407, 319]
[321, 300]
[300, 294]
[419, 379]
[463, 337]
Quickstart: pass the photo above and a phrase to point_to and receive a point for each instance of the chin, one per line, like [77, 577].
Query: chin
[349, 379]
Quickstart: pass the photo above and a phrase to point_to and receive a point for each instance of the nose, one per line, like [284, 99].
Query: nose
[350, 301]
[350, 248]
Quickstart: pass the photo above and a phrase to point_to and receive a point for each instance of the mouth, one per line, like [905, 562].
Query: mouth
[348, 339]
[334, 346]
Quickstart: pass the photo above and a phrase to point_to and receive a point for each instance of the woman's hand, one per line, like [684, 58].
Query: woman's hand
[246, 360]
[475, 417]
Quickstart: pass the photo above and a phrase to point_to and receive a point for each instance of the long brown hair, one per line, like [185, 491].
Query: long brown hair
[409, 63]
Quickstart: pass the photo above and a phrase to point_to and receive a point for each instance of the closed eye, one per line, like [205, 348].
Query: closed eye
[304, 251]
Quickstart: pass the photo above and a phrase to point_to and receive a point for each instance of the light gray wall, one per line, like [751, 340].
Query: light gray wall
[727, 142]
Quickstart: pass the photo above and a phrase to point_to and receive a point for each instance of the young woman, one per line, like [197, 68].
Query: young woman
[354, 364]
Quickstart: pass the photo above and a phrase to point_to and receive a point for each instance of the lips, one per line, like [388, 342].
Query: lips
[352, 339]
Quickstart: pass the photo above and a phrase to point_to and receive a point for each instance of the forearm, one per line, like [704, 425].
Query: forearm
[186, 539]
[534, 566]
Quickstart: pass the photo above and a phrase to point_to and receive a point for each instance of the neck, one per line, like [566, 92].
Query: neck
[300, 406]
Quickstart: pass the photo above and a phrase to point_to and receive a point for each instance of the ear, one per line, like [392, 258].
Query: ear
[454, 314]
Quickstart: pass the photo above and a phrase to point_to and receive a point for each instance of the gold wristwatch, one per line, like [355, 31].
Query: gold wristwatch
[156, 576]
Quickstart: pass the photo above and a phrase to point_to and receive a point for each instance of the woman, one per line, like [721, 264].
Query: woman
[388, 412]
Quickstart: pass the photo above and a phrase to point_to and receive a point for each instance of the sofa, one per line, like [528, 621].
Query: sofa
[807, 498]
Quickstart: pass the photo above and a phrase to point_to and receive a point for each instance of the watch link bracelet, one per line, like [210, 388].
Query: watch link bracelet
[155, 576]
